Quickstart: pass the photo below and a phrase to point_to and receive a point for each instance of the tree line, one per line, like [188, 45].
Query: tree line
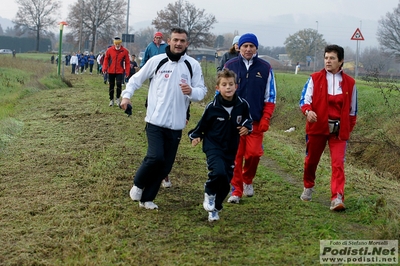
[92, 24]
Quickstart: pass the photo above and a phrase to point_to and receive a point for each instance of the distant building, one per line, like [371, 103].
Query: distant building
[275, 63]
[202, 53]
[284, 58]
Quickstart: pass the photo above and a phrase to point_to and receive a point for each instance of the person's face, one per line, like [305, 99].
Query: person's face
[157, 39]
[133, 58]
[227, 88]
[236, 47]
[248, 50]
[178, 42]
[332, 63]
[117, 46]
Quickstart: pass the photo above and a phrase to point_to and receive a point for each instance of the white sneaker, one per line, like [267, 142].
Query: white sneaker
[148, 205]
[135, 193]
[111, 103]
[213, 216]
[209, 202]
[117, 102]
[234, 199]
[337, 204]
[166, 182]
[248, 190]
[307, 194]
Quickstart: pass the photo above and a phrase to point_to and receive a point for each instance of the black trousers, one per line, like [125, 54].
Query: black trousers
[220, 173]
[161, 152]
[112, 79]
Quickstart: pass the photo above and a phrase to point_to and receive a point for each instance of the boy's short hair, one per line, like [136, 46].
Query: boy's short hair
[225, 73]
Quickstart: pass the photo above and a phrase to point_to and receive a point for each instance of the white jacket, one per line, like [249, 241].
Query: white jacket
[167, 104]
[74, 60]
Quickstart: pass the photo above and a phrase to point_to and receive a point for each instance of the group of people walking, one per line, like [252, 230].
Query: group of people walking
[233, 124]
[80, 62]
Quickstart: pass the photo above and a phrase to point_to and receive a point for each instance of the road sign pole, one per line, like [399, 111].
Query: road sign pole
[356, 66]
[357, 36]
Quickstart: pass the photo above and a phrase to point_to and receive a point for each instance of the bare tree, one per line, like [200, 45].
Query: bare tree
[36, 16]
[144, 36]
[197, 23]
[389, 31]
[373, 60]
[304, 43]
[97, 21]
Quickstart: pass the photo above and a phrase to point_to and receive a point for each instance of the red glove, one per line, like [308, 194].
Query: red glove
[264, 125]
[267, 113]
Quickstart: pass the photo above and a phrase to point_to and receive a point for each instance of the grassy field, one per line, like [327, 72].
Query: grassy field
[68, 161]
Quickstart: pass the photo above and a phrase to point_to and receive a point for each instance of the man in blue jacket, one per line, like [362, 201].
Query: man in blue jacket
[157, 46]
[256, 84]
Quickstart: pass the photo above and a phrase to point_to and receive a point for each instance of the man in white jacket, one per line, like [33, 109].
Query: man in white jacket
[177, 80]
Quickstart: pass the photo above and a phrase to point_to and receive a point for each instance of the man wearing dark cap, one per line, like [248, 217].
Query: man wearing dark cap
[116, 63]
[157, 46]
[256, 84]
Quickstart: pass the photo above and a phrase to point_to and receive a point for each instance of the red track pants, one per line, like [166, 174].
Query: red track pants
[249, 151]
[314, 148]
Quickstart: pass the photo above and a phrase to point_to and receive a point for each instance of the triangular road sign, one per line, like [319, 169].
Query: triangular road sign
[357, 36]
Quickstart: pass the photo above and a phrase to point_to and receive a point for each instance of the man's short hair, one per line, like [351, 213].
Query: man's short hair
[179, 30]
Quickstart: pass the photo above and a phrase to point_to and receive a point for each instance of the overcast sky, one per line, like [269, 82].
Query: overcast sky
[271, 21]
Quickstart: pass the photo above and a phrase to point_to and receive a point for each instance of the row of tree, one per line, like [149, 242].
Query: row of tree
[96, 22]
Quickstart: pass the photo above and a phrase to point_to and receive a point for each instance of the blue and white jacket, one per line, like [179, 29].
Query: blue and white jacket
[256, 83]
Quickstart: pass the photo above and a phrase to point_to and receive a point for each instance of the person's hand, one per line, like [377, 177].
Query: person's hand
[243, 131]
[124, 103]
[311, 116]
[186, 89]
[263, 126]
[195, 141]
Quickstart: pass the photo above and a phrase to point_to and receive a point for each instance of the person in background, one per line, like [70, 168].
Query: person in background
[329, 102]
[157, 46]
[91, 59]
[297, 68]
[67, 59]
[117, 64]
[224, 120]
[173, 86]
[74, 62]
[98, 62]
[134, 67]
[232, 53]
[82, 63]
[86, 55]
[256, 84]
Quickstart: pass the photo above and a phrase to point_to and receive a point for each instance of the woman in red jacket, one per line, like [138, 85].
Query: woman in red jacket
[116, 63]
[329, 101]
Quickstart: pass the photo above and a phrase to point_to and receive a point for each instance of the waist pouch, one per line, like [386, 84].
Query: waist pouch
[334, 126]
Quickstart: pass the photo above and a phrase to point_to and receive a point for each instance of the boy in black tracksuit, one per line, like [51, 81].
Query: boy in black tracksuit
[224, 120]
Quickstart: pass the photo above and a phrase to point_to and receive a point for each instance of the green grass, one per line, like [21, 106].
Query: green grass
[68, 164]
